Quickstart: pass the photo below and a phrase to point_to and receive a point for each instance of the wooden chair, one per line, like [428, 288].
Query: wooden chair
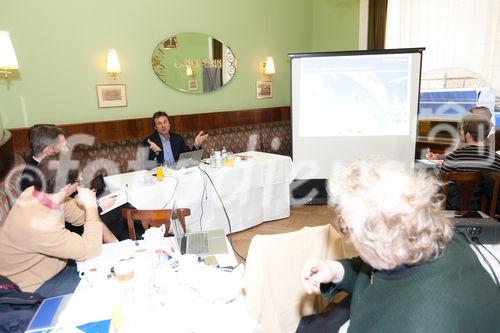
[495, 176]
[467, 183]
[152, 218]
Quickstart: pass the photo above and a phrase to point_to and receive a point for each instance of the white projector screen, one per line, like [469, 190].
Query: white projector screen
[347, 105]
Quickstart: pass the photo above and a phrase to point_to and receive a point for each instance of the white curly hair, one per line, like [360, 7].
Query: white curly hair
[393, 215]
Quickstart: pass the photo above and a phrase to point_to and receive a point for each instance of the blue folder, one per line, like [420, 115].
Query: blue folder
[46, 316]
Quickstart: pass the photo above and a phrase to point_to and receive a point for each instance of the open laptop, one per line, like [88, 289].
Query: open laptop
[201, 243]
[189, 159]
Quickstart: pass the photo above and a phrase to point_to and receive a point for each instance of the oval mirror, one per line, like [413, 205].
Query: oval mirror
[194, 62]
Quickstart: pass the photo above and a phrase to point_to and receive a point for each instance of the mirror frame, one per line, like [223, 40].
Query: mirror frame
[187, 69]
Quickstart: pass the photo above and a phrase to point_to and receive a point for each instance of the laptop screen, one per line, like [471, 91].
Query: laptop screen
[189, 159]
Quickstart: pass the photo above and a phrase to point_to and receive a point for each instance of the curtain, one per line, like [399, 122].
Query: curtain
[211, 79]
[377, 16]
[457, 34]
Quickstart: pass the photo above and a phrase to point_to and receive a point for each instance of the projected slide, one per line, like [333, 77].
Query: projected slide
[364, 95]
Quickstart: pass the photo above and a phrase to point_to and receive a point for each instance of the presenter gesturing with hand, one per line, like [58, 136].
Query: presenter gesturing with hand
[153, 146]
[200, 138]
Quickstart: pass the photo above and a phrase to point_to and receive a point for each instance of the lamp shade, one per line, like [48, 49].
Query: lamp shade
[113, 64]
[8, 58]
[269, 68]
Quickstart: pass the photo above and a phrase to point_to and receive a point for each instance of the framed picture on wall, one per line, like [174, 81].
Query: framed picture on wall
[111, 95]
[264, 89]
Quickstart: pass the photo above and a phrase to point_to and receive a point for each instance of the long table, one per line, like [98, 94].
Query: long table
[254, 191]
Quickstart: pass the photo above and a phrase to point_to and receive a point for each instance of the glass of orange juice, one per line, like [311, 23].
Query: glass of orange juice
[229, 160]
[159, 172]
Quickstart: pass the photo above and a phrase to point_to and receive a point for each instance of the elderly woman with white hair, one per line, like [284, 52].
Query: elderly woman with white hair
[412, 275]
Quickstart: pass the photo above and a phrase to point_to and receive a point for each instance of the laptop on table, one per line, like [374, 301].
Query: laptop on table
[188, 159]
[200, 243]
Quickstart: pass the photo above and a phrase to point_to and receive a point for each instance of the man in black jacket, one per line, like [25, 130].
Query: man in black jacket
[47, 140]
[165, 146]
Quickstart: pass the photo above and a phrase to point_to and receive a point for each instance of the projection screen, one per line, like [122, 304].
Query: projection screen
[347, 105]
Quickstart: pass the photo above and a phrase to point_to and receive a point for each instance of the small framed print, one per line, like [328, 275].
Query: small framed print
[111, 95]
[264, 89]
[193, 85]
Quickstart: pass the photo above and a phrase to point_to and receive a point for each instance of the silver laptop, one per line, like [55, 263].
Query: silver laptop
[189, 159]
[201, 243]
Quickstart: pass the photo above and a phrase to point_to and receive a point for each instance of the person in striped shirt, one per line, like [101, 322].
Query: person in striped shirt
[477, 110]
[474, 156]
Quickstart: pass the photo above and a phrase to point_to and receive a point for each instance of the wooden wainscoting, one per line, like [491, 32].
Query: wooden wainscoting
[117, 130]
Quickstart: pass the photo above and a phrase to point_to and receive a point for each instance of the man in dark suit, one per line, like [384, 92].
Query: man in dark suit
[165, 146]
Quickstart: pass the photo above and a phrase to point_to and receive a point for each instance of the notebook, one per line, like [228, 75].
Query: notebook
[189, 159]
[201, 243]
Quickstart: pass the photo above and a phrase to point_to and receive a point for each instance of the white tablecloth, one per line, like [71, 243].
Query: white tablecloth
[254, 191]
[166, 294]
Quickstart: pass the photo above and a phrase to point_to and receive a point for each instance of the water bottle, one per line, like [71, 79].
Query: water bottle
[224, 154]
[212, 158]
[218, 159]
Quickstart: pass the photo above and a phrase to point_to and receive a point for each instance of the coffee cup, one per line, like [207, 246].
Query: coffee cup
[124, 270]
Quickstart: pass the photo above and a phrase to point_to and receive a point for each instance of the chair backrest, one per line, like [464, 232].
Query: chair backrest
[495, 176]
[153, 218]
[274, 294]
[467, 186]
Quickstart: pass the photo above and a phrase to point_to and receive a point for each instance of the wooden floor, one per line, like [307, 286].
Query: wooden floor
[300, 216]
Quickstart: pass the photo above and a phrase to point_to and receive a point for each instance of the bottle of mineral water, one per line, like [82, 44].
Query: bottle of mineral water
[224, 154]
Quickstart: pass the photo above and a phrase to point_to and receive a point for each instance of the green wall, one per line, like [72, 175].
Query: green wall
[335, 25]
[61, 46]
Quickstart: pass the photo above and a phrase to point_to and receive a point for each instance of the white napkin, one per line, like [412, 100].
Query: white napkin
[153, 237]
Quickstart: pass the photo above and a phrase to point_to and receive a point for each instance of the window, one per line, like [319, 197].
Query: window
[461, 37]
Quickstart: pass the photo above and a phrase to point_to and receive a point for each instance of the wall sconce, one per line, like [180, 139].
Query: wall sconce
[268, 67]
[8, 60]
[113, 67]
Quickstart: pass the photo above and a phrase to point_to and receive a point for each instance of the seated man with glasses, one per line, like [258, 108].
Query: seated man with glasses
[35, 247]
[46, 140]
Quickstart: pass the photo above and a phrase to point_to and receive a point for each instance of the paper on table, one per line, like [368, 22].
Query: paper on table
[227, 259]
[428, 162]
[121, 199]
[110, 255]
